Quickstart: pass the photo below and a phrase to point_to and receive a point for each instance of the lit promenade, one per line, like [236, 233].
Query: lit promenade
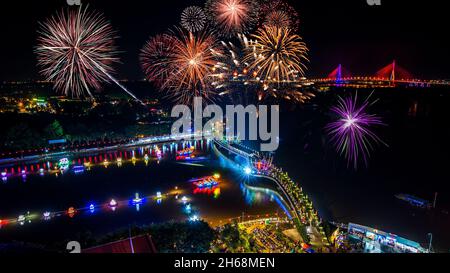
[300, 205]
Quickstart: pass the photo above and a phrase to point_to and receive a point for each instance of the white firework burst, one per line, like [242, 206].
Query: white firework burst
[193, 19]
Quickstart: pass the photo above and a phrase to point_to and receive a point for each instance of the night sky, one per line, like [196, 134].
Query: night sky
[363, 38]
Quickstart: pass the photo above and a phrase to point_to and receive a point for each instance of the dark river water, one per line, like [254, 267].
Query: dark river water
[101, 182]
[416, 161]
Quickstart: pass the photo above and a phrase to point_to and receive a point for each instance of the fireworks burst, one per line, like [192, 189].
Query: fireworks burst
[233, 16]
[277, 55]
[278, 13]
[193, 19]
[229, 72]
[187, 61]
[277, 18]
[351, 133]
[76, 51]
[155, 59]
[232, 75]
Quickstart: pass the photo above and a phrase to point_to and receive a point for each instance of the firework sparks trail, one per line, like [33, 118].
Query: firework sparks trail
[193, 19]
[352, 133]
[180, 63]
[233, 16]
[76, 51]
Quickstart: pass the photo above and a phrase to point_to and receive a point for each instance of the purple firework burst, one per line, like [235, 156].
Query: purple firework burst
[352, 133]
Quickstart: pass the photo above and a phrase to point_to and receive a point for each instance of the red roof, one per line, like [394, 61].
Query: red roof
[139, 244]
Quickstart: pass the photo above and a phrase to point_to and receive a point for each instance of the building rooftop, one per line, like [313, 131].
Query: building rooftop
[139, 244]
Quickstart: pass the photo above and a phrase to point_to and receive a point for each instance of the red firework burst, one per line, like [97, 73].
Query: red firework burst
[180, 63]
[278, 13]
[155, 59]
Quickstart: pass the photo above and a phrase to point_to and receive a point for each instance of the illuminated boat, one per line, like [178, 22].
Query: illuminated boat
[186, 152]
[77, 169]
[205, 182]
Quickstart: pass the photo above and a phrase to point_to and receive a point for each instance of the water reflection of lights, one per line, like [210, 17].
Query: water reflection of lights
[3, 223]
[71, 212]
[254, 195]
[215, 191]
[83, 164]
[87, 165]
[62, 165]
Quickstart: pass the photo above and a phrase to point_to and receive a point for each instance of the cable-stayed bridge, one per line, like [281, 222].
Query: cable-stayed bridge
[391, 75]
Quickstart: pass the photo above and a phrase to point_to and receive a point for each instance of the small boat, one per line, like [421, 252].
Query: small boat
[414, 201]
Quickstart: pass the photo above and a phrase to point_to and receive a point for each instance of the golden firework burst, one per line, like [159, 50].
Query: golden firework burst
[277, 55]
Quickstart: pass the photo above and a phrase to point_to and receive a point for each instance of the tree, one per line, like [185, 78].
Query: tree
[22, 136]
[54, 130]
